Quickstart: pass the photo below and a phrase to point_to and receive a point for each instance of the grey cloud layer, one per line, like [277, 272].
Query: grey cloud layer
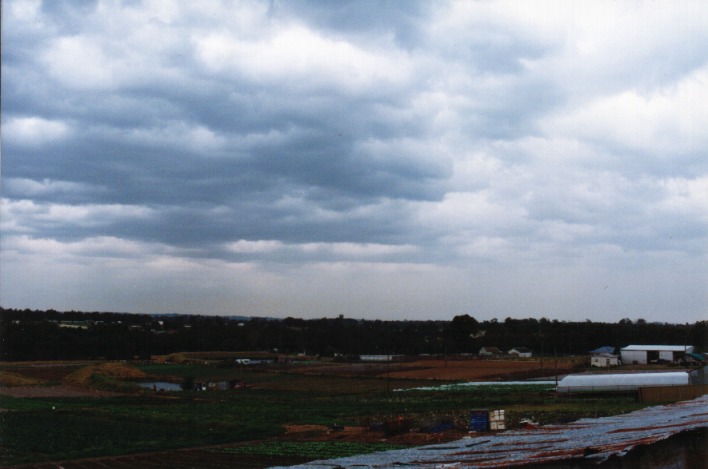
[441, 134]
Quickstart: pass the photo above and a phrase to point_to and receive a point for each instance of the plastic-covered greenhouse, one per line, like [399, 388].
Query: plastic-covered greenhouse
[620, 382]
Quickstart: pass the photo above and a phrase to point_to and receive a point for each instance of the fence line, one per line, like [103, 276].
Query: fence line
[672, 393]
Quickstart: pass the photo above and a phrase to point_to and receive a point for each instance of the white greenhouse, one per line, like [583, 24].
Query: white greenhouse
[620, 382]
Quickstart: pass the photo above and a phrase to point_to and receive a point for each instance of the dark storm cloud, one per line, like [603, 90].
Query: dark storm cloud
[133, 144]
[400, 18]
[451, 147]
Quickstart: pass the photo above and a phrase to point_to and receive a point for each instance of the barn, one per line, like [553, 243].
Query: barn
[643, 354]
[489, 352]
[624, 382]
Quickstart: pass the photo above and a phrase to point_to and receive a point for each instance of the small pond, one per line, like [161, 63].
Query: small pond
[160, 386]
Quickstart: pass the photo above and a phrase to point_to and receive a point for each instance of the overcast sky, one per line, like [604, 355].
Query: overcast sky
[376, 159]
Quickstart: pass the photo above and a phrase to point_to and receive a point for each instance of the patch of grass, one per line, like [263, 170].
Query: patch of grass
[38, 436]
[284, 379]
[308, 449]
[198, 372]
[109, 383]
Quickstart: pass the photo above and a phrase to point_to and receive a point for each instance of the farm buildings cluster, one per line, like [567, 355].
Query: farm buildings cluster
[644, 354]
[648, 385]
[602, 357]
[626, 381]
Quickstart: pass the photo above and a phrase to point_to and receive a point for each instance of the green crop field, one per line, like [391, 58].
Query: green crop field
[55, 429]
[308, 449]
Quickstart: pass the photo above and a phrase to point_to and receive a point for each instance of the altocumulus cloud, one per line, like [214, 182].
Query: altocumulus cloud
[375, 159]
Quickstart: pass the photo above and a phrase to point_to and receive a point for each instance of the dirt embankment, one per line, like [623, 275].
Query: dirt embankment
[61, 390]
[13, 379]
[93, 380]
[84, 376]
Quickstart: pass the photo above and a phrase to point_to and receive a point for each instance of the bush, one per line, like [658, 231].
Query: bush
[188, 383]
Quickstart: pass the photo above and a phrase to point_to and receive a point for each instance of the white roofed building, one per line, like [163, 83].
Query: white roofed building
[604, 360]
[643, 354]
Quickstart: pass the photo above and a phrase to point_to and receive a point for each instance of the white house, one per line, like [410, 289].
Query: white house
[521, 352]
[604, 360]
[489, 352]
[379, 358]
[643, 354]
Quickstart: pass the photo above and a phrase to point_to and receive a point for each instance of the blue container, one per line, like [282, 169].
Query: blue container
[479, 420]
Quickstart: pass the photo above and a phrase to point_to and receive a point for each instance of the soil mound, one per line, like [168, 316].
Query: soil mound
[85, 376]
[12, 379]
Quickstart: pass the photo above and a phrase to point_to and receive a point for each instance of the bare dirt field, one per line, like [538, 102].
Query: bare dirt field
[60, 390]
[447, 370]
[481, 369]
[323, 433]
[54, 380]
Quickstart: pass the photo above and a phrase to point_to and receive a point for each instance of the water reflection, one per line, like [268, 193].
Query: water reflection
[160, 386]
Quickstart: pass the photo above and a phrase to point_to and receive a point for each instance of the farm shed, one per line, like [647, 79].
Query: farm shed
[643, 354]
[522, 352]
[604, 360]
[624, 382]
[489, 352]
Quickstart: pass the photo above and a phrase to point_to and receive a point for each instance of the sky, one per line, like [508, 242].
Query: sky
[374, 159]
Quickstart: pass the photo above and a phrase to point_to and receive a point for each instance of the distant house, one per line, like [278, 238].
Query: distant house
[643, 354]
[489, 352]
[521, 352]
[604, 360]
[74, 324]
[380, 358]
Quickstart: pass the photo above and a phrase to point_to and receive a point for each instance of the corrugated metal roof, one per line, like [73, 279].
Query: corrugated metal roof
[658, 348]
[591, 440]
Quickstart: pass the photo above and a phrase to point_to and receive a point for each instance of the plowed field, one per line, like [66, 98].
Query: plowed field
[451, 370]
[481, 369]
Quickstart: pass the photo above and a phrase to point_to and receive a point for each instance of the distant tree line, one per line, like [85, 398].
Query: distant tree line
[43, 335]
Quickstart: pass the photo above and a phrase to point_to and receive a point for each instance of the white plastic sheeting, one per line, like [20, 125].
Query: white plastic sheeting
[587, 440]
[472, 384]
[620, 382]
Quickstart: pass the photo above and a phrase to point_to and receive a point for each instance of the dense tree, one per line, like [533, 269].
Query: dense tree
[35, 335]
